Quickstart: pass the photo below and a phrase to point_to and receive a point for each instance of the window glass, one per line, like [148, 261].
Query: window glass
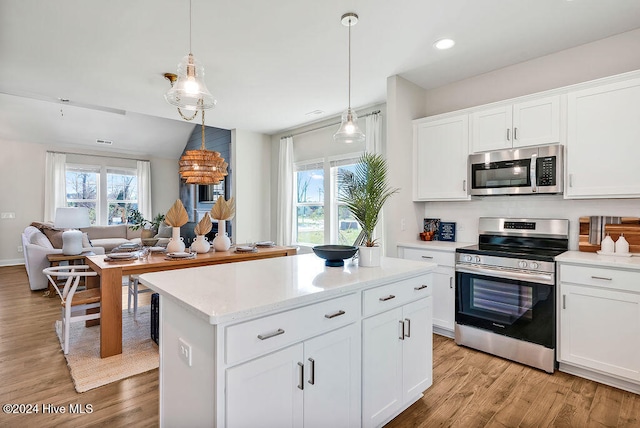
[122, 196]
[82, 190]
[309, 227]
[347, 227]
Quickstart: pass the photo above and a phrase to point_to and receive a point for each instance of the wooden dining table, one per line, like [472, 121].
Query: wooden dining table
[110, 275]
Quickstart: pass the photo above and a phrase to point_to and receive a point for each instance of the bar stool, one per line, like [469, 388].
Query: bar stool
[134, 290]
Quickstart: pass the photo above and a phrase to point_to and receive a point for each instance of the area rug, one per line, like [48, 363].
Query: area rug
[89, 371]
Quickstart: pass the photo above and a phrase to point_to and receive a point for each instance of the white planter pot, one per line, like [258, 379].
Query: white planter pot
[369, 256]
[201, 245]
[221, 242]
[176, 244]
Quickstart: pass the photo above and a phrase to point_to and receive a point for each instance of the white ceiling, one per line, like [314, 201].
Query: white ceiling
[268, 63]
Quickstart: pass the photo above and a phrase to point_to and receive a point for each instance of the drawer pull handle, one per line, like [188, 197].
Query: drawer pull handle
[312, 375]
[335, 314]
[601, 277]
[266, 336]
[408, 327]
[427, 257]
[401, 337]
[422, 287]
[300, 376]
[389, 297]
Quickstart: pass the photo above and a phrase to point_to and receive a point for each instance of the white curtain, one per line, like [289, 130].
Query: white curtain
[373, 144]
[144, 189]
[373, 133]
[55, 193]
[284, 215]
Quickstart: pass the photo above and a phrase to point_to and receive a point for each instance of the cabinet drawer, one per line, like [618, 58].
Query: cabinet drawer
[600, 277]
[260, 336]
[442, 258]
[397, 294]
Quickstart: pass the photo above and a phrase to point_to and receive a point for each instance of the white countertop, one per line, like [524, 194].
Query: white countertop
[227, 292]
[594, 259]
[434, 245]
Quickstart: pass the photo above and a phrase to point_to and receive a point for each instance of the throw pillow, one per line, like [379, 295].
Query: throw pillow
[55, 236]
[40, 239]
[164, 231]
[86, 243]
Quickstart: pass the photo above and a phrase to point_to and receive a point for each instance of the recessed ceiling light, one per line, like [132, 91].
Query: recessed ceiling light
[444, 44]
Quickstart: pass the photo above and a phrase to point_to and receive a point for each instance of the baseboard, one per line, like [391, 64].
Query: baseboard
[11, 262]
[600, 377]
[443, 332]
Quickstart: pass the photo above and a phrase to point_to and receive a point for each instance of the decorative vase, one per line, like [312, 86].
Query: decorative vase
[221, 242]
[368, 256]
[176, 243]
[201, 244]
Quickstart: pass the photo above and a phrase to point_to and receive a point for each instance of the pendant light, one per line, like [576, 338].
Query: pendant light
[349, 132]
[202, 166]
[189, 91]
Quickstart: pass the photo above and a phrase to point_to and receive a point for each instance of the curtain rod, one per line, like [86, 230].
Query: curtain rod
[97, 156]
[328, 125]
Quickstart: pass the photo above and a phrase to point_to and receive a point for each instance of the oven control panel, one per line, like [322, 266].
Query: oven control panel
[504, 263]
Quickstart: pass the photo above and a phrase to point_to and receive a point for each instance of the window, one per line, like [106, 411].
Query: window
[309, 203]
[110, 194]
[318, 217]
[122, 195]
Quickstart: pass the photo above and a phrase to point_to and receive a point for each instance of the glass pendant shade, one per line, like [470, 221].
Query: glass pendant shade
[349, 132]
[189, 91]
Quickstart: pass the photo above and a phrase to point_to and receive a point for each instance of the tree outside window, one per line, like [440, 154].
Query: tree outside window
[82, 190]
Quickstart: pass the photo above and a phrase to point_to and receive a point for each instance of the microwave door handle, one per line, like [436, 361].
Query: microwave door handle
[532, 173]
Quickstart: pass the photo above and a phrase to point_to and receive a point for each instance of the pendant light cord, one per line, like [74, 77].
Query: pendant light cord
[349, 63]
[190, 18]
[203, 146]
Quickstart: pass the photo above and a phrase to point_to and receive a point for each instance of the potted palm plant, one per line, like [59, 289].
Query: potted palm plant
[364, 191]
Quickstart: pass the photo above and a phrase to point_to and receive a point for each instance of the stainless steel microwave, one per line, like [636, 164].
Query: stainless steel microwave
[531, 170]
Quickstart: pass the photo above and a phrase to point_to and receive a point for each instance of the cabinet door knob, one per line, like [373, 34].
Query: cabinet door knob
[335, 314]
[464, 185]
[389, 297]
[266, 336]
[401, 337]
[408, 327]
[508, 136]
[451, 282]
[515, 134]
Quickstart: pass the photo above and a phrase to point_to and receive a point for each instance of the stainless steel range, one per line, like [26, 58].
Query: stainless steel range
[505, 289]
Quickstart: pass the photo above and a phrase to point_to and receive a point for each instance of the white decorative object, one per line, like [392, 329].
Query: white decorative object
[201, 244]
[221, 242]
[622, 246]
[176, 243]
[72, 218]
[369, 256]
[607, 245]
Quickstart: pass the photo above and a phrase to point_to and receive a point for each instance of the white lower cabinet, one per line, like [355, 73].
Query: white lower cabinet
[312, 384]
[599, 323]
[397, 363]
[443, 291]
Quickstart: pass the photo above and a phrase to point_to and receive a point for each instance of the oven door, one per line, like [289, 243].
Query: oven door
[512, 307]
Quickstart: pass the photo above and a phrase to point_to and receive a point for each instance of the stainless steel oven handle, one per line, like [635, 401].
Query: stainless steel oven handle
[541, 278]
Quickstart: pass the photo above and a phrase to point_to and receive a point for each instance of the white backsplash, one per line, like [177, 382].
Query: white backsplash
[466, 214]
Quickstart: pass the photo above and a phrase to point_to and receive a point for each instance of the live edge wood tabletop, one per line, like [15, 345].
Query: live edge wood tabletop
[110, 275]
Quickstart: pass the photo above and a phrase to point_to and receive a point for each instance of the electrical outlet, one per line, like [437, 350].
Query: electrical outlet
[403, 224]
[19, 248]
[185, 351]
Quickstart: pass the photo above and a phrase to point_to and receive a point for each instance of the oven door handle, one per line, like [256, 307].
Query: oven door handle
[541, 278]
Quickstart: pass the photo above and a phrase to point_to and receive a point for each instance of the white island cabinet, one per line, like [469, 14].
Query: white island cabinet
[286, 342]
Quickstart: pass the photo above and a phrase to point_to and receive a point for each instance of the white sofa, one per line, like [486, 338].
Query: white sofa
[36, 247]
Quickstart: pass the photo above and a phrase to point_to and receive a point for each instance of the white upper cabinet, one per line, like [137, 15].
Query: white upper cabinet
[603, 141]
[440, 152]
[528, 123]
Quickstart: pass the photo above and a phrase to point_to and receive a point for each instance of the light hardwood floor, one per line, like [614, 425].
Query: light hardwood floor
[470, 389]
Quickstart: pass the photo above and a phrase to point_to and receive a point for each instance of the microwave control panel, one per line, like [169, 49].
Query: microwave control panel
[546, 171]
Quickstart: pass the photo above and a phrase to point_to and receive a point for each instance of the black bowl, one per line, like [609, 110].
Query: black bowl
[334, 254]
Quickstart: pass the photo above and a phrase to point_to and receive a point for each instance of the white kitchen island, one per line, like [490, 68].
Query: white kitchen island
[289, 342]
